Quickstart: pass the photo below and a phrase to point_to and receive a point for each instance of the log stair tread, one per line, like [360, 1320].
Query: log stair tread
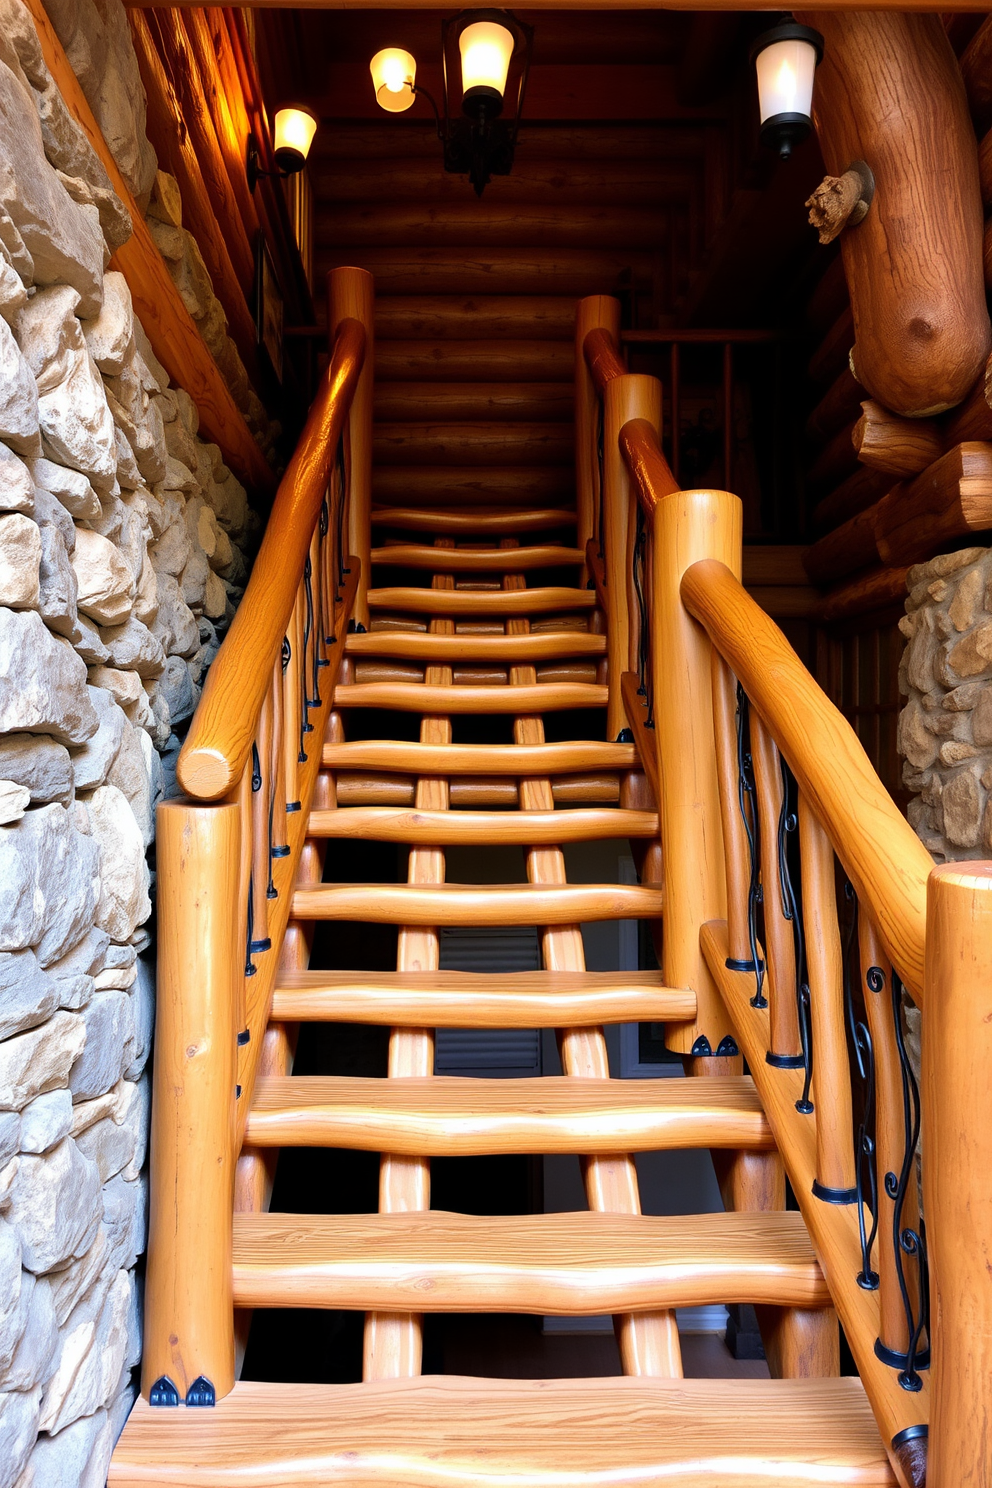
[445, 1116]
[475, 904]
[419, 646]
[480, 759]
[446, 828]
[461, 698]
[461, 999]
[489, 521]
[476, 560]
[548, 599]
[563, 1264]
[455, 1432]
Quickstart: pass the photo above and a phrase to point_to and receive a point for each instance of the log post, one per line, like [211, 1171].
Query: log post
[351, 293]
[632, 396]
[596, 312]
[189, 1318]
[957, 1073]
[690, 526]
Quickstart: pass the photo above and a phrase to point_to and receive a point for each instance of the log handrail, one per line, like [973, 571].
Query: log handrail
[602, 358]
[834, 773]
[646, 462]
[214, 756]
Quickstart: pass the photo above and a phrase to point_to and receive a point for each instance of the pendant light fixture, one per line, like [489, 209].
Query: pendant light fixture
[484, 53]
[785, 59]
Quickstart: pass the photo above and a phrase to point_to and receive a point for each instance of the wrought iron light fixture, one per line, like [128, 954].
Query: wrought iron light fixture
[785, 59]
[489, 51]
[293, 135]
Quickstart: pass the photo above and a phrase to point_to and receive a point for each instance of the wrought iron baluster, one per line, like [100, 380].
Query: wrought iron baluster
[748, 801]
[788, 821]
[908, 1242]
[644, 688]
[327, 607]
[314, 629]
[252, 946]
[866, 1179]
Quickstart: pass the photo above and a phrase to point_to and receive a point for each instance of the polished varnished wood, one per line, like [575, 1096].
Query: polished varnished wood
[414, 646]
[602, 313]
[351, 300]
[957, 1058]
[490, 904]
[781, 986]
[874, 589]
[834, 774]
[737, 861]
[219, 741]
[492, 521]
[448, 1116]
[416, 697]
[481, 759]
[455, 999]
[470, 560]
[543, 601]
[897, 446]
[174, 337]
[473, 485]
[429, 1433]
[889, 91]
[482, 442]
[564, 1264]
[446, 828]
[832, 1227]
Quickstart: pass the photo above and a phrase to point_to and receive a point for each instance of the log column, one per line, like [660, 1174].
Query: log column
[351, 294]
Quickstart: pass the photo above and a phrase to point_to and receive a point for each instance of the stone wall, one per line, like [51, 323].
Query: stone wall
[123, 543]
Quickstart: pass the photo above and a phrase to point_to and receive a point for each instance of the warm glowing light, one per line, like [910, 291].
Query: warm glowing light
[486, 49]
[785, 78]
[394, 73]
[294, 132]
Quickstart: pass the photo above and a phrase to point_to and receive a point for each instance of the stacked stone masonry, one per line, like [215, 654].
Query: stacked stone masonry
[123, 543]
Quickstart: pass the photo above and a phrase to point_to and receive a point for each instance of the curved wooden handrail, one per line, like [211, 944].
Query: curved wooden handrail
[216, 750]
[646, 462]
[885, 860]
[602, 358]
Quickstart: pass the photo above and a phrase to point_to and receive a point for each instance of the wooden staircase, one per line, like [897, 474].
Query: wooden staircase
[484, 610]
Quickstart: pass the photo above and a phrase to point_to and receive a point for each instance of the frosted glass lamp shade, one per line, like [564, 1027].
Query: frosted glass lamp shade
[394, 73]
[486, 48]
[294, 132]
[785, 61]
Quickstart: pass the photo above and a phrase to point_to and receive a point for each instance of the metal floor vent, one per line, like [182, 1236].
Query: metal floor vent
[492, 1052]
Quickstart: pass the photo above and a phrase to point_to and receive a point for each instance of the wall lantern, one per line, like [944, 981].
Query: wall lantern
[785, 59]
[479, 48]
[293, 135]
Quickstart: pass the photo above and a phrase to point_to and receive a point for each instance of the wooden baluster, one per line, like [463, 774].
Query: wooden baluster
[595, 312]
[890, 1141]
[737, 853]
[277, 768]
[629, 397]
[957, 1161]
[317, 621]
[689, 526]
[244, 798]
[351, 293]
[835, 1169]
[292, 708]
[260, 803]
[780, 947]
[189, 1331]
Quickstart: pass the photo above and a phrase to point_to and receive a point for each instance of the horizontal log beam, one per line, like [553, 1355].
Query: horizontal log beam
[525, 271]
[896, 446]
[158, 305]
[477, 401]
[474, 361]
[488, 444]
[446, 317]
[397, 224]
[544, 180]
[468, 485]
[877, 589]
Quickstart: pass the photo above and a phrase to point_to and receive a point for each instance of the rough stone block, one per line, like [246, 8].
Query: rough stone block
[55, 1206]
[131, 647]
[20, 562]
[46, 1120]
[106, 583]
[16, 485]
[58, 589]
[109, 1032]
[28, 995]
[94, 1346]
[14, 801]
[51, 886]
[124, 902]
[39, 1060]
[42, 682]
[70, 487]
[18, 397]
[110, 337]
[34, 1358]
[19, 1413]
[40, 764]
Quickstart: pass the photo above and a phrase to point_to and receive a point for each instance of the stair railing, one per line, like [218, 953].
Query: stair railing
[796, 908]
[227, 857]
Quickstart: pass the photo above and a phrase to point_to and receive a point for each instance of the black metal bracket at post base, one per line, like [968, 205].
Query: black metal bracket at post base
[833, 1195]
[785, 1061]
[703, 1049]
[201, 1392]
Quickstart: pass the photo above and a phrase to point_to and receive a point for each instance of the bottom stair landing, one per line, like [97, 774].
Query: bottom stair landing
[450, 1432]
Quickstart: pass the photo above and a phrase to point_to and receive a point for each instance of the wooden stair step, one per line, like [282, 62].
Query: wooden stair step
[446, 1431]
[445, 1116]
[450, 828]
[487, 442]
[474, 360]
[536, 760]
[485, 520]
[529, 402]
[434, 649]
[462, 999]
[473, 485]
[421, 697]
[564, 1264]
[469, 560]
[451, 602]
[475, 904]
[381, 789]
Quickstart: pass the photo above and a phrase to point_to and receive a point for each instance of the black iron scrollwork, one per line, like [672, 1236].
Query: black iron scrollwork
[644, 688]
[748, 802]
[788, 821]
[865, 1160]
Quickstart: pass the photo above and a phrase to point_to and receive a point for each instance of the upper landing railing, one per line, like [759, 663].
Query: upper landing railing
[229, 854]
[800, 907]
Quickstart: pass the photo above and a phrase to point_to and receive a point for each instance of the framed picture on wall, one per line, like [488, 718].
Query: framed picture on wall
[269, 308]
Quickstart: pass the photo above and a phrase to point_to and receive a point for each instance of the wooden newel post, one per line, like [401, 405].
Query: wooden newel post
[189, 1323]
[351, 293]
[688, 527]
[634, 396]
[957, 1171]
[596, 312]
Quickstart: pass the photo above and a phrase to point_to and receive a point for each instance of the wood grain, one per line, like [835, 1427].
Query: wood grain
[452, 1117]
[544, 601]
[595, 312]
[481, 759]
[417, 697]
[468, 560]
[486, 521]
[545, 646]
[850, 801]
[445, 828]
[897, 446]
[351, 300]
[468, 904]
